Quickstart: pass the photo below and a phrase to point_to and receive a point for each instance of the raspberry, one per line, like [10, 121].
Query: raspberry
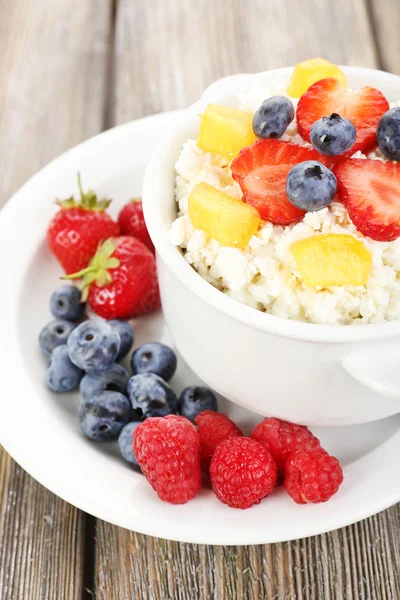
[242, 472]
[282, 438]
[168, 452]
[312, 476]
[213, 429]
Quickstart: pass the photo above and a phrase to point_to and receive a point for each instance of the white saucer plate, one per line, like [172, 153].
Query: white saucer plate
[39, 429]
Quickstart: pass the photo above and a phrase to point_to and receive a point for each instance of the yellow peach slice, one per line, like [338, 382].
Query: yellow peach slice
[332, 259]
[228, 220]
[309, 71]
[225, 130]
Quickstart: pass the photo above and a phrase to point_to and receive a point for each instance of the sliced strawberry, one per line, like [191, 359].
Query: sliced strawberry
[370, 190]
[363, 108]
[261, 170]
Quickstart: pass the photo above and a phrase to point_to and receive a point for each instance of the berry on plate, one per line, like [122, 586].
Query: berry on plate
[62, 375]
[370, 190]
[242, 472]
[225, 130]
[156, 358]
[333, 135]
[228, 220]
[55, 333]
[65, 303]
[78, 227]
[312, 476]
[282, 438]
[167, 450]
[114, 379]
[194, 400]
[363, 108]
[273, 117]
[389, 134]
[93, 345]
[125, 332]
[120, 281]
[310, 185]
[213, 428]
[125, 442]
[261, 171]
[151, 396]
[332, 259]
[131, 222]
[102, 417]
[309, 71]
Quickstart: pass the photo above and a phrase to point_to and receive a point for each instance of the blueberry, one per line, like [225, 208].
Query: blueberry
[156, 358]
[151, 395]
[65, 303]
[115, 379]
[194, 399]
[125, 442]
[389, 134]
[62, 375]
[94, 345]
[273, 117]
[333, 135]
[125, 332]
[55, 334]
[103, 416]
[310, 185]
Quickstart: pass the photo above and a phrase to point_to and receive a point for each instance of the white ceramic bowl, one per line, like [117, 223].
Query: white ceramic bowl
[307, 373]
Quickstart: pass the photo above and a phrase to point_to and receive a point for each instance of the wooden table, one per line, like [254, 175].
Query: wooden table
[68, 70]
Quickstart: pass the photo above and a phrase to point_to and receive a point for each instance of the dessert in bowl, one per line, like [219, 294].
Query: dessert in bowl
[306, 325]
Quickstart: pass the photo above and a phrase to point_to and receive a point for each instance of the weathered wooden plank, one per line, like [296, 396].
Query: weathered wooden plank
[385, 16]
[164, 58]
[166, 55]
[52, 73]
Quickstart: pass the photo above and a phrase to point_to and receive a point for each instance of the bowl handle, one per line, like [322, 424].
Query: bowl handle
[377, 367]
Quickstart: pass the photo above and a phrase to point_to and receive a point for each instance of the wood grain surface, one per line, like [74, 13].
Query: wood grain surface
[68, 70]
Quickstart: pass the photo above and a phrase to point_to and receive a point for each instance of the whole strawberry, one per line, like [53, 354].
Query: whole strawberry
[168, 452]
[131, 222]
[282, 438]
[312, 476]
[242, 472]
[79, 226]
[120, 281]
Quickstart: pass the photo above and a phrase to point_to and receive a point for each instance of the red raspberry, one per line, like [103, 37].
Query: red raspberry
[312, 476]
[168, 452]
[213, 428]
[242, 472]
[282, 438]
[131, 222]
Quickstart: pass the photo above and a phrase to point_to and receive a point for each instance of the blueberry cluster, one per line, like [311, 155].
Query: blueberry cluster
[85, 354]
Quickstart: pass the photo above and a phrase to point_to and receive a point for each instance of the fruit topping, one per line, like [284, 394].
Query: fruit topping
[389, 134]
[333, 135]
[261, 171]
[225, 130]
[363, 108]
[167, 450]
[55, 333]
[310, 185]
[65, 303]
[228, 220]
[114, 379]
[213, 428]
[62, 375]
[93, 345]
[309, 71]
[125, 442]
[125, 332]
[370, 190]
[102, 417]
[332, 259]
[242, 472]
[151, 395]
[273, 117]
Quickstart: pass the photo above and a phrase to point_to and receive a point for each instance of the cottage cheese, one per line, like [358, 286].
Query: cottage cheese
[264, 275]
